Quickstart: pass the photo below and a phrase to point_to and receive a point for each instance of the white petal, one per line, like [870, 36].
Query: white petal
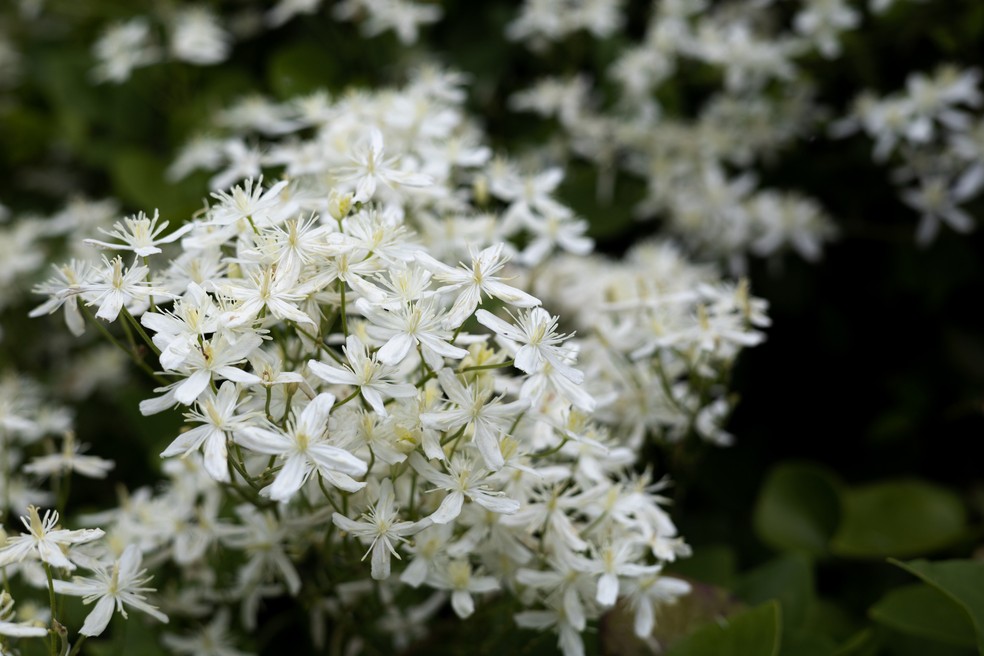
[290, 479]
[396, 349]
[216, 457]
[607, 589]
[380, 560]
[98, 619]
[192, 387]
[462, 603]
[449, 509]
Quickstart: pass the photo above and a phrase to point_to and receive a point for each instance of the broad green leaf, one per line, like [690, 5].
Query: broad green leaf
[798, 508]
[898, 518]
[895, 643]
[755, 632]
[925, 611]
[862, 643]
[788, 580]
[960, 580]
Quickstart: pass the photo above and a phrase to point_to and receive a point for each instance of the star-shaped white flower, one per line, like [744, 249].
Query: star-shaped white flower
[113, 586]
[44, 539]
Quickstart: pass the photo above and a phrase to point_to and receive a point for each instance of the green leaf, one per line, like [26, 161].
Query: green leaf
[756, 632]
[925, 611]
[960, 580]
[788, 580]
[862, 643]
[898, 518]
[798, 508]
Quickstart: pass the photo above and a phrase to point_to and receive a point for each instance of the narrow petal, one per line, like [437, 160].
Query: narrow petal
[462, 603]
[607, 589]
[380, 560]
[396, 349]
[216, 457]
[290, 479]
[449, 509]
[98, 619]
[192, 387]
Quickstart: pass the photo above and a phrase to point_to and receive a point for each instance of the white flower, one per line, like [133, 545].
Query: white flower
[65, 290]
[487, 416]
[140, 234]
[382, 529]
[304, 449]
[122, 48]
[219, 422]
[371, 167]
[373, 378]
[539, 339]
[615, 560]
[458, 577]
[198, 38]
[247, 201]
[937, 200]
[16, 629]
[413, 324]
[471, 282]
[44, 540]
[112, 587]
[114, 287]
[215, 357]
[178, 331]
[263, 289]
[287, 9]
[463, 479]
[646, 593]
[213, 639]
[68, 460]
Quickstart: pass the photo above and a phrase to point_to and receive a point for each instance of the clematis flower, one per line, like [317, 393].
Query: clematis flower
[112, 587]
[44, 540]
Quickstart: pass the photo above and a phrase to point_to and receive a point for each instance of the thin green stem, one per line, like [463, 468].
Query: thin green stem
[348, 398]
[341, 285]
[54, 608]
[140, 331]
[550, 451]
[324, 490]
[78, 645]
[133, 356]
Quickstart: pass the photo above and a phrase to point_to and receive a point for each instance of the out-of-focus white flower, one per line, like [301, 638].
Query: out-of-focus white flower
[937, 201]
[198, 38]
[70, 459]
[123, 48]
[16, 629]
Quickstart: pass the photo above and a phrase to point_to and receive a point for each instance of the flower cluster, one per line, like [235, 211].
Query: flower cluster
[931, 131]
[699, 169]
[194, 34]
[372, 369]
[45, 550]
